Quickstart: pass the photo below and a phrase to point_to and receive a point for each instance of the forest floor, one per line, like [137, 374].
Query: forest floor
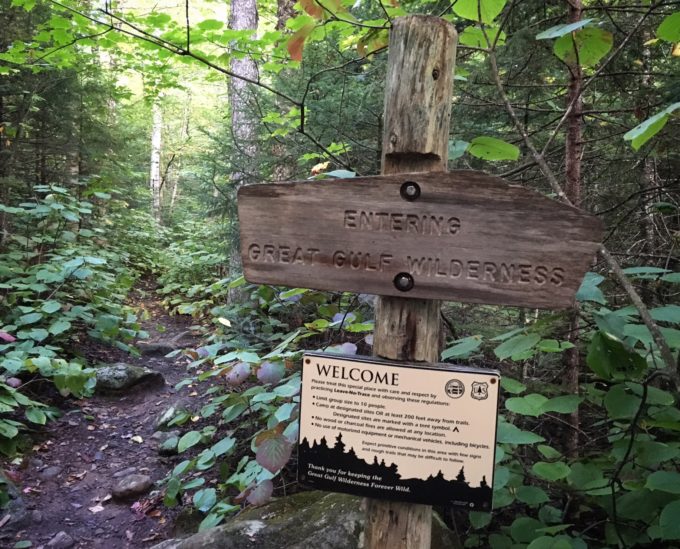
[66, 483]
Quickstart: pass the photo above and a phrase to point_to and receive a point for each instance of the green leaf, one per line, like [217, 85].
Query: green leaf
[664, 481]
[25, 544]
[50, 307]
[36, 415]
[644, 131]
[484, 11]
[516, 345]
[610, 359]
[585, 47]
[512, 385]
[532, 495]
[565, 404]
[462, 348]
[59, 327]
[188, 440]
[210, 24]
[669, 29]
[668, 521]
[549, 542]
[561, 30]
[205, 499]
[223, 446]
[548, 452]
[457, 148]
[490, 148]
[474, 36]
[341, 174]
[621, 403]
[29, 318]
[668, 313]
[523, 529]
[509, 434]
[529, 405]
[589, 291]
[479, 520]
[551, 471]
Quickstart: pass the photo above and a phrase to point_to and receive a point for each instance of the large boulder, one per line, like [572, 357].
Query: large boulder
[316, 519]
[120, 375]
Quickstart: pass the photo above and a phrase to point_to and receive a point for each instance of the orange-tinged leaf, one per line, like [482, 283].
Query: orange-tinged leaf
[319, 168]
[676, 50]
[270, 433]
[297, 42]
[312, 8]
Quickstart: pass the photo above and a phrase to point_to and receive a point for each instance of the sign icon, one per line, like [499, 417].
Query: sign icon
[455, 388]
[480, 390]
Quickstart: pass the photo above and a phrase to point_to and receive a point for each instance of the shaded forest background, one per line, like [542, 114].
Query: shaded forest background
[126, 129]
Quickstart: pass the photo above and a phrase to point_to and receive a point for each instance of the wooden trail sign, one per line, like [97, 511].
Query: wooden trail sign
[460, 236]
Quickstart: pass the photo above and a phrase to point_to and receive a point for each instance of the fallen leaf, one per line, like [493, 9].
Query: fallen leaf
[96, 509]
[137, 439]
[129, 535]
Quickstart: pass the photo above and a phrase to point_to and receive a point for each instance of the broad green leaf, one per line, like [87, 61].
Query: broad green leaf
[650, 273]
[548, 452]
[551, 471]
[585, 47]
[561, 30]
[490, 148]
[30, 318]
[462, 347]
[36, 415]
[621, 403]
[589, 290]
[479, 520]
[509, 434]
[474, 37]
[565, 404]
[665, 481]
[529, 405]
[457, 148]
[644, 131]
[484, 11]
[188, 440]
[532, 495]
[59, 327]
[223, 446]
[210, 24]
[549, 542]
[523, 529]
[516, 345]
[668, 521]
[205, 499]
[669, 29]
[610, 359]
[668, 313]
[512, 385]
[50, 307]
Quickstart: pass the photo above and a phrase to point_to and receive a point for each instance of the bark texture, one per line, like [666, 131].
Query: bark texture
[415, 139]
[155, 169]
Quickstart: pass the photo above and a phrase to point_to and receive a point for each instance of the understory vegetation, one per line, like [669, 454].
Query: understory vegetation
[585, 96]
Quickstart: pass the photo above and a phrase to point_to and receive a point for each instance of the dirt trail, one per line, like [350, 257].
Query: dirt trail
[67, 481]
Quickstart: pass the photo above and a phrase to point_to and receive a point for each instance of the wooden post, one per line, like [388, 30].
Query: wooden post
[418, 92]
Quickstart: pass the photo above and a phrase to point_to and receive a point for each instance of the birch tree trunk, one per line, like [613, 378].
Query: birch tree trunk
[155, 171]
[243, 128]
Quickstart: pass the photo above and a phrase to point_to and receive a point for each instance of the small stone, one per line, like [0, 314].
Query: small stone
[36, 516]
[125, 472]
[61, 541]
[51, 472]
[36, 463]
[13, 382]
[131, 486]
[99, 531]
[160, 348]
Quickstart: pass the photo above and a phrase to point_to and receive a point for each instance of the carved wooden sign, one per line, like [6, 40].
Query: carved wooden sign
[459, 236]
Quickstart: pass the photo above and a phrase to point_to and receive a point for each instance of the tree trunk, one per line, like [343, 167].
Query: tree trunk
[155, 171]
[243, 129]
[420, 73]
[572, 160]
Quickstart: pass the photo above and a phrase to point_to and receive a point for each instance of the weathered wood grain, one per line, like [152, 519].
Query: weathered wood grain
[468, 237]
